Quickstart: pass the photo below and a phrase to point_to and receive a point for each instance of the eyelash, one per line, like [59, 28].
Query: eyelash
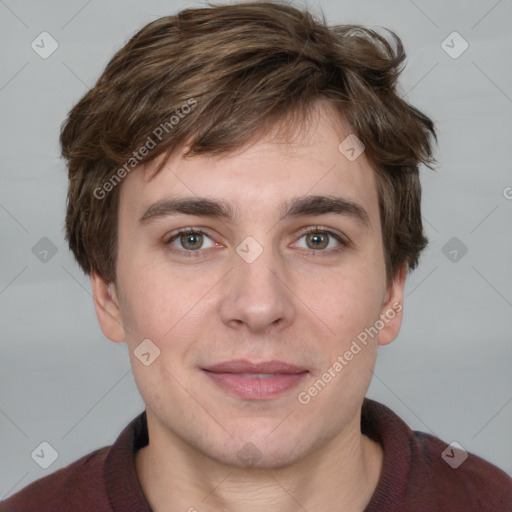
[317, 230]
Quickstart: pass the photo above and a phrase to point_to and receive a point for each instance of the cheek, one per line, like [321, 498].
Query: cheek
[167, 309]
[149, 304]
[353, 300]
[352, 308]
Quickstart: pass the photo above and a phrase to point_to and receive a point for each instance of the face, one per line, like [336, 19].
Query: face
[256, 319]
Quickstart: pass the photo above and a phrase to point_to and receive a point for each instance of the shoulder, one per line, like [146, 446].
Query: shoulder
[448, 470]
[422, 472]
[79, 487]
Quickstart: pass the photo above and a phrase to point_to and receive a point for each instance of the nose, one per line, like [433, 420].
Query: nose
[256, 295]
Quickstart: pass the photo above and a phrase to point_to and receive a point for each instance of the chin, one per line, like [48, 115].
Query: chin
[249, 456]
[267, 451]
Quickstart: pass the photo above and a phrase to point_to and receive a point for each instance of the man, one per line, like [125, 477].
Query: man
[244, 195]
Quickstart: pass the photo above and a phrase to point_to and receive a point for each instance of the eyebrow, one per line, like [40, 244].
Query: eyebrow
[295, 207]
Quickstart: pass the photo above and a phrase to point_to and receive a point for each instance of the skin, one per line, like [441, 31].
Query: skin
[295, 303]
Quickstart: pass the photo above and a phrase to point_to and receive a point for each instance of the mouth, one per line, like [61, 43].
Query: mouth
[255, 381]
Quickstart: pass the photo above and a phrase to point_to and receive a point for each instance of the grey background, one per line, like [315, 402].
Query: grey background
[448, 373]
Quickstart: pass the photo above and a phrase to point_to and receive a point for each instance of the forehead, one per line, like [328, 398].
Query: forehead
[264, 175]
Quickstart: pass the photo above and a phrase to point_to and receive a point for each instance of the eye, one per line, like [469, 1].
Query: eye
[318, 239]
[190, 240]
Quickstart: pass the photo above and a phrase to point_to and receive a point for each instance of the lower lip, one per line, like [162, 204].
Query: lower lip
[255, 388]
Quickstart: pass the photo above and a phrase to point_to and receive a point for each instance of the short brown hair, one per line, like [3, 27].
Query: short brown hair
[243, 67]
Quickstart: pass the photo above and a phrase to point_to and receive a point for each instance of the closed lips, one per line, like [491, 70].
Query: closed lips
[268, 368]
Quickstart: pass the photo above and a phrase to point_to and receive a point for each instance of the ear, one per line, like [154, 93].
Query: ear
[392, 308]
[107, 308]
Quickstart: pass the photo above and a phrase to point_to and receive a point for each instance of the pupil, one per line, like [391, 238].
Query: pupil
[317, 240]
[192, 239]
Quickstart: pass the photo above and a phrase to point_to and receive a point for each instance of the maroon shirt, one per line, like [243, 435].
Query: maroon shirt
[415, 477]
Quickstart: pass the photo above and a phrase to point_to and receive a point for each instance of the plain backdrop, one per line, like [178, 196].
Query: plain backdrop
[449, 371]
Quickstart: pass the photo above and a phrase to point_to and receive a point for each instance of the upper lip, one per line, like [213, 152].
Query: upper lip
[243, 366]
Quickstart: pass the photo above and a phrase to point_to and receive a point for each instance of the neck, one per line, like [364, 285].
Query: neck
[341, 475]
